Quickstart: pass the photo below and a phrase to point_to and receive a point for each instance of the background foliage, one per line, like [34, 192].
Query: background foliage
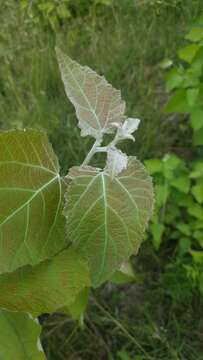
[159, 316]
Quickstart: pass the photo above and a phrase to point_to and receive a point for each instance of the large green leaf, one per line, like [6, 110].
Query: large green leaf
[46, 287]
[19, 337]
[31, 200]
[106, 218]
[98, 105]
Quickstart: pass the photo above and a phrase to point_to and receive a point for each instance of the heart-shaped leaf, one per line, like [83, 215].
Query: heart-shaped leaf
[106, 218]
[98, 105]
[19, 337]
[46, 287]
[31, 200]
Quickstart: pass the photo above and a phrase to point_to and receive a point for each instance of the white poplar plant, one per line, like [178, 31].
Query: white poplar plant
[60, 236]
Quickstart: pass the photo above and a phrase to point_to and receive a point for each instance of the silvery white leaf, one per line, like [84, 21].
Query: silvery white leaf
[97, 103]
[116, 161]
[130, 125]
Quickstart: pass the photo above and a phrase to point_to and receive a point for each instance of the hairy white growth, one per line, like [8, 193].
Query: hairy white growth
[116, 161]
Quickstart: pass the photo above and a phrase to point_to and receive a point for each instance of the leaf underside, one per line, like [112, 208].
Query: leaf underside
[31, 200]
[106, 218]
[19, 337]
[46, 287]
[98, 105]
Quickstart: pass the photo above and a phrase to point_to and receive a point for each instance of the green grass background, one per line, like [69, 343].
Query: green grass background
[125, 42]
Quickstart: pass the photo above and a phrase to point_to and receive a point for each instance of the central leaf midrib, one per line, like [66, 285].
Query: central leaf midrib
[83, 94]
[103, 183]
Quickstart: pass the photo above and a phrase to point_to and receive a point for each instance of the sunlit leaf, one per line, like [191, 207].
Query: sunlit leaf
[192, 96]
[178, 102]
[106, 218]
[154, 165]
[97, 103]
[182, 183]
[19, 337]
[188, 52]
[195, 34]
[46, 287]
[31, 200]
[174, 79]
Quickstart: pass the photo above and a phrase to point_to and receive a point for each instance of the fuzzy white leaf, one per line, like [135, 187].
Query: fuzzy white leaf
[116, 161]
[98, 105]
[125, 130]
[130, 125]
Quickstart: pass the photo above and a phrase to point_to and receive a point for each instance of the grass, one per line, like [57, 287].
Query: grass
[140, 320]
[125, 42]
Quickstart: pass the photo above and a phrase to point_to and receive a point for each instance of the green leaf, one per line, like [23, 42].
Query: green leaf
[174, 79]
[188, 52]
[182, 183]
[157, 231]
[125, 274]
[184, 228]
[197, 191]
[31, 200]
[161, 194]
[153, 165]
[198, 235]
[46, 287]
[77, 308]
[197, 119]
[184, 245]
[196, 210]
[197, 256]
[106, 218]
[171, 162]
[197, 170]
[98, 105]
[19, 337]
[198, 137]
[192, 96]
[195, 34]
[178, 102]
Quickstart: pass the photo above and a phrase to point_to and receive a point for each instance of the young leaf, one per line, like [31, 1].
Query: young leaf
[106, 218]
[19, 337]
[31, 199]
[125, 130]
[46, 287]
[97, 103]
[116, 161]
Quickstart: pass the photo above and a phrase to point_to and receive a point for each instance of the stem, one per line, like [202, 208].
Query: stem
[97, 148]
[92, 151]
